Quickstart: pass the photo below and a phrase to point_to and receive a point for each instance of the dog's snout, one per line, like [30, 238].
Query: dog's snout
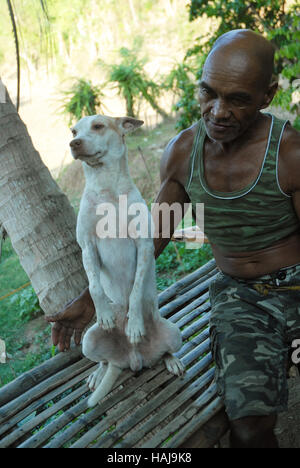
[76, 143]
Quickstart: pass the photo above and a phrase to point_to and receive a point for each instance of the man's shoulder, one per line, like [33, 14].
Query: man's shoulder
[291, 134]
[179, 147]
[289, 153]
[290, 144]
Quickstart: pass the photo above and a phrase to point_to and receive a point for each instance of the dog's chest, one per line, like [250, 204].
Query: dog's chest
[103, 215]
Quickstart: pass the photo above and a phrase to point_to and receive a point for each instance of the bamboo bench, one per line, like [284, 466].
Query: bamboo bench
[47, 406]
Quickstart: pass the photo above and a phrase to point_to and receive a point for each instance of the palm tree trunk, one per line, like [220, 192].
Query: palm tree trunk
[37, 217]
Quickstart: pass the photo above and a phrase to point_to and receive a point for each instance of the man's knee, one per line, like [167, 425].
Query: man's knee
[254, 432]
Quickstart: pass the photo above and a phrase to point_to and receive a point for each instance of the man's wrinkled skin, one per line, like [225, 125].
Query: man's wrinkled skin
[235, 86]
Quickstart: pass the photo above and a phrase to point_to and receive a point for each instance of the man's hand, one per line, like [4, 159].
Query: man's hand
[74, 318]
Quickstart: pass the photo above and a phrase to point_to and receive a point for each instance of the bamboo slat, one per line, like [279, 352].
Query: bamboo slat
[172, 290]
[127, 406]
[209, 433]
[21, 418]
[193, 293]
[20, 402]
[29, 379]
[47, 407]
[155, 402]
[200, 419]
[167, 409]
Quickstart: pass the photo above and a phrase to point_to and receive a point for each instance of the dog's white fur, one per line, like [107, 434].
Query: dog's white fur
[129, 333]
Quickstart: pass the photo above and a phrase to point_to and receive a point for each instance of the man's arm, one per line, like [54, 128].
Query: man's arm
[173, 175]
[170, 192]
[289, 165]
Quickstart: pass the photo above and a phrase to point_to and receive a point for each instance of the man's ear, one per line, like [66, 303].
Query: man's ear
[128, 124]
[269, 94]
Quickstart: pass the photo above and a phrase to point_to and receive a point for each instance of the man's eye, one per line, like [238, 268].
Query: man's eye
[239, 101]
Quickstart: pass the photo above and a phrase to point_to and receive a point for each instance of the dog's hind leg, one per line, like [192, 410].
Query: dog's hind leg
[173, 364]
[96, 377]
[106, 384]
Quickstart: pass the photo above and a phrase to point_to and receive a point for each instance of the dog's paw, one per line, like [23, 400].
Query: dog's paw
[135, 331]
[92, 401]
[91, 381]
[174, 365]
[106, 316]
[106, 322]
[96, 377]
[135, 337]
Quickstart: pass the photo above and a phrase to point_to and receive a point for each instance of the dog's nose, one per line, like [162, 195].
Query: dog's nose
[76, 143]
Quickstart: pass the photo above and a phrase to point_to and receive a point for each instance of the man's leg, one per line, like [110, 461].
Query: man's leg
[248, 345]
[253, 432]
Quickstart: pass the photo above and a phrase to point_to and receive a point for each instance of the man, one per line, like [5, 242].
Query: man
[244, 166]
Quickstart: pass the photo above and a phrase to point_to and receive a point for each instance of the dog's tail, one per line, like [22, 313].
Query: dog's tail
[106, 384]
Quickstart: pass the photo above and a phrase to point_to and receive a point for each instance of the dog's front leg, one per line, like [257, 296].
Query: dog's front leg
[105, 309]
[135, 329]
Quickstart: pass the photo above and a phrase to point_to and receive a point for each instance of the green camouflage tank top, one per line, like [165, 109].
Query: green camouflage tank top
[249, 219]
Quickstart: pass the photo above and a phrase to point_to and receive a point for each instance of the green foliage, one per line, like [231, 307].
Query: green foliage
[132, 82]
[296, 123]
[287, 62]
[15, 314]
[257, 15]
[176, 261]
[27, 304]
[181, 81]
[268, 17]
[83, 99]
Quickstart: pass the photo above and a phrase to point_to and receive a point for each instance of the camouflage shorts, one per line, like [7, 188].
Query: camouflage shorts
[252, 327]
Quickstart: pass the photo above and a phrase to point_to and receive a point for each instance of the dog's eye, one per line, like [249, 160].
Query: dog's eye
[74, 133]
[98, 126]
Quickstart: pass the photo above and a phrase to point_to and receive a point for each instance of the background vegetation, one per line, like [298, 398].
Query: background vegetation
[148, 54]
[145, 47]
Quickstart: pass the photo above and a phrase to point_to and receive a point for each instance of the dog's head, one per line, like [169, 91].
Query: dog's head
[98, 138]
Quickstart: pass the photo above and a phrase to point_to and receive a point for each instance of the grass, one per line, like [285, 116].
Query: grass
[12, 274]
[28, 338]
[177, 261]
[16, 319]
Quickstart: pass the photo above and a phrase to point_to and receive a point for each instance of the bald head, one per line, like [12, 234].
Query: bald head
[243, 48]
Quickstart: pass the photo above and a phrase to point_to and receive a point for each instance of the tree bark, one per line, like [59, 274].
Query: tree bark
[37, 216]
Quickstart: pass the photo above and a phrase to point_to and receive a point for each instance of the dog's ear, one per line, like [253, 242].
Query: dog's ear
[128, 124]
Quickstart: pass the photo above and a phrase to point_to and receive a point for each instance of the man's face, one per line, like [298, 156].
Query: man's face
[230, 95]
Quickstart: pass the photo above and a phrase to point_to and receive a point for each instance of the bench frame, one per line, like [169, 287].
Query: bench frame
[47, 406]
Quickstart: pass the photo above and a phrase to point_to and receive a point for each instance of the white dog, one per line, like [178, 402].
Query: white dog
[129, 333]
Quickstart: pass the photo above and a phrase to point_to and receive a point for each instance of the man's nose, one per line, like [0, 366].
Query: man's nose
[220, 110]
[76, 143]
